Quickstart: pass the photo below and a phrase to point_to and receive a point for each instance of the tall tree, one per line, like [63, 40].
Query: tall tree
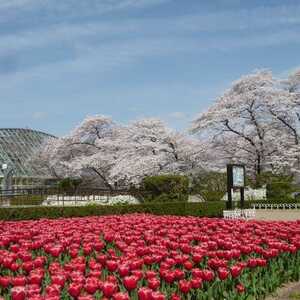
[102, 151]
[239, 124]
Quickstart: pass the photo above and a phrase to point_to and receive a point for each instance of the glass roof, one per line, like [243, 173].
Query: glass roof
[17, 146]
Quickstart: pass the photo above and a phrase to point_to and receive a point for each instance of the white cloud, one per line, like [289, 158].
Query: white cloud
[74, 8]
[12, 4]
[260, 18]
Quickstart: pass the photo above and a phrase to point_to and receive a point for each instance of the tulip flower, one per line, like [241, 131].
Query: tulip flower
[121, 296]
[109, 288]
[144, 293]
[74, 289]
[235, 271]
[130, 282]
[240, 288]
[153, 283]
[149, 256]
[18, 293]
[185, 286]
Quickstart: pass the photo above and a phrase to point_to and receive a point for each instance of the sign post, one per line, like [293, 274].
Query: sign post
[235, 179]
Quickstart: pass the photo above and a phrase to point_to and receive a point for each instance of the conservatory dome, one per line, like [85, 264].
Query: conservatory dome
[17, 147]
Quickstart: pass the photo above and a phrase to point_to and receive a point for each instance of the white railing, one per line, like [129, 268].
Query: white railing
[246, 214]
[276, 206]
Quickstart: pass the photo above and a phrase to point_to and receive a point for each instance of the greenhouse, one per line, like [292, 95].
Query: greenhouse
[17, 147]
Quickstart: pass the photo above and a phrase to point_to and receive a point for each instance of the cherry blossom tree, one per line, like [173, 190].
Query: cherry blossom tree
[239, 121]
[114, 155]
[255, 122]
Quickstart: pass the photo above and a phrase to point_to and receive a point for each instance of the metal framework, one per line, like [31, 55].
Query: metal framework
[17, 147]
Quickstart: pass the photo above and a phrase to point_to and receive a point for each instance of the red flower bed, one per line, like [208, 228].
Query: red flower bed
[146, 257]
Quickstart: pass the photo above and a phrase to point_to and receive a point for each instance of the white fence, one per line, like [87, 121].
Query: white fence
[246, 214]
[276, 205]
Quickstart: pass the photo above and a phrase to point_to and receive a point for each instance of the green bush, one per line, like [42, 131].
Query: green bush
[165, 188]
[27, 200]
[69, 185]
[279, 186]
[209, 209]
[212, 186]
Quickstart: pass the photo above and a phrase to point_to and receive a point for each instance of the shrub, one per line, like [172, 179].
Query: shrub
[210, 185]
[279, 186]
[69, 185]
[27, 200]
[208, 209]
[165, 188]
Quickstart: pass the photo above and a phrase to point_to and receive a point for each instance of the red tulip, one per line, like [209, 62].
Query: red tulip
[184, 286]
[197, 273]
[18, 281]
[179, 274]
[58, 279]
[150, 274]
[144, 293]
[130, 282]
[124, 270]
[5, 281]
[196, 283]
[109, 288]
[157, 296]
[223, 273]
[188, 265]
[235, 271]
[74, 289]
[86, 297]
[153, 283]
[121, 296]
[111, 265]
[240, 288]
[91, 286]
[53, 290]
[18, 293]
[207, 275]
[252, 262]
[35, 278]
[197, 258]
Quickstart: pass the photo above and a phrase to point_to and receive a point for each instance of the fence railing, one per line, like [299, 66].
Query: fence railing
[276, 205]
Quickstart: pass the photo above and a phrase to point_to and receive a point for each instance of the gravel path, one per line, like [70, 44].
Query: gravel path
[274, 214]
[290, 291]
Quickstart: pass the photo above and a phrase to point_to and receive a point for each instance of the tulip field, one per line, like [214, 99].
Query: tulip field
[146, 257]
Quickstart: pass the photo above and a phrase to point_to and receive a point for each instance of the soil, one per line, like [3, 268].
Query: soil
[290, 291]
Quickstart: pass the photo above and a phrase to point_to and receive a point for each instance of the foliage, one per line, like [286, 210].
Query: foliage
[211, 209]
[69, 185]
[26, 200]
[210, 185]
[165, 188]
[279, 186]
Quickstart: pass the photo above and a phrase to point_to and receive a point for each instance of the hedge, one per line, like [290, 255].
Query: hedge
[165, 188]
[27, 200]
[208, 209]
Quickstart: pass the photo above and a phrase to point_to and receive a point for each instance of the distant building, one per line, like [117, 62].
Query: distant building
[17, 147]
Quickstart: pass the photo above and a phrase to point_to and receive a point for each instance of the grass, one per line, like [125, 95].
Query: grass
[294, 296]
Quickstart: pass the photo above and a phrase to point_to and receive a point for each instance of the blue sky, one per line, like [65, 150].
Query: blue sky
[61, 60]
